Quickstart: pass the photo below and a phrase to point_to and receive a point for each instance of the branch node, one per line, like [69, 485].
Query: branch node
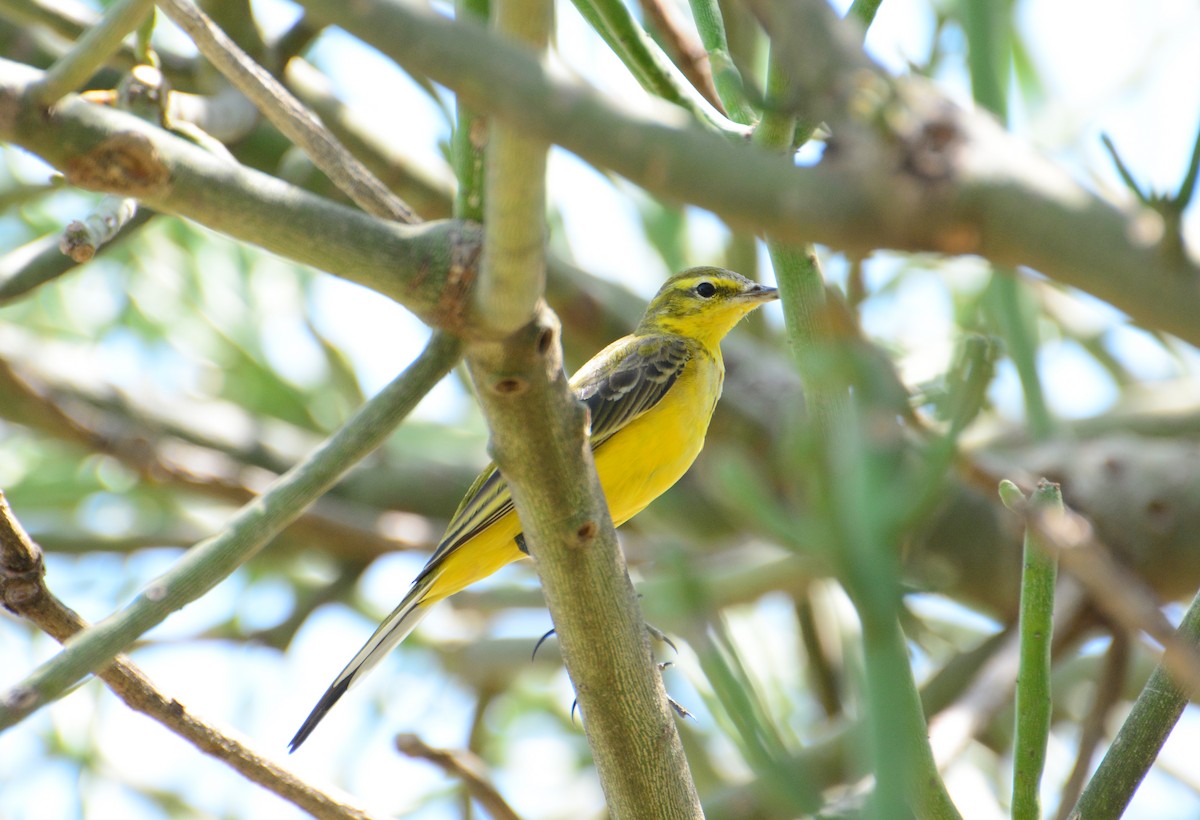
[510, 386]
[20, 697]
[125, 163]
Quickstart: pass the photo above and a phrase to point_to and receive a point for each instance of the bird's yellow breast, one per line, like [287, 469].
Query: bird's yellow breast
[635, 466]
[644, 459]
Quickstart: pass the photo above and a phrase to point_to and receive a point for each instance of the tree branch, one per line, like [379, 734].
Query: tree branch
[287, 114]
[929, 177]
[966, 186]
[208, 563]
[538, 441]
[23, 590]
[1143, 733]
[98, 43]
[428, 268]
[466, 767]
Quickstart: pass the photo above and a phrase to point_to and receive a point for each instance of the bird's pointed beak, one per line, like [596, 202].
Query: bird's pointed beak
[761, 293]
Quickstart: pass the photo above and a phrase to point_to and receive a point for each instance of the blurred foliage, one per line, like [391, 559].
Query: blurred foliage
[148, 393]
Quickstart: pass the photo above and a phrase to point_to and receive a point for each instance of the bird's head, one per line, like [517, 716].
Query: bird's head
[704, 304]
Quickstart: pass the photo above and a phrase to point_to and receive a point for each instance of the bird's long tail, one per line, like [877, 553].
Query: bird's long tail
[391, 632]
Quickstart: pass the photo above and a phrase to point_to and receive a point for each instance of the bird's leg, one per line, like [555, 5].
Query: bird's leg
[655, 633]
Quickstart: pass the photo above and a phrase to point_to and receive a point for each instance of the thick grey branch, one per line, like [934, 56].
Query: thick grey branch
[428, 268]
[922, 175]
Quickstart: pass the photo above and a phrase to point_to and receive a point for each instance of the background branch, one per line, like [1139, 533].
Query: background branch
[208, 564]
[970, 187]
[23, 591]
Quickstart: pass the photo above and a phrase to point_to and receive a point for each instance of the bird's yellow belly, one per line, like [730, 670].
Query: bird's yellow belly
[635, 467]
[645, 459]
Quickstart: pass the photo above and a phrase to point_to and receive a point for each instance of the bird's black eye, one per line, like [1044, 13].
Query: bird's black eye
[706, 290]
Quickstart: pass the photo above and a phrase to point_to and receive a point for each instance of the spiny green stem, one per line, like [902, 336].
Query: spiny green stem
[726, 78]
[1033, 702]
[470, 136]
[209, 562]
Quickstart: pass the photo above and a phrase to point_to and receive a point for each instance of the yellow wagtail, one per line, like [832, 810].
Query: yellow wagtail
[651, 395]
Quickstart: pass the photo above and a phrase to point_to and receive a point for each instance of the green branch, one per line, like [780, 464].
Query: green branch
[513, 275]
[32, 265]
[469, 139]
[613, 21]
[1000, 201]
[1007, 300]
[1036, 625]
[209, 562]
[538, 440]
[821, 55]
[287, 114]
[99, 148]
[726, 78]
[864, 11]
[1141, 737]
[988, 27]
[905, 771]
[92, 51]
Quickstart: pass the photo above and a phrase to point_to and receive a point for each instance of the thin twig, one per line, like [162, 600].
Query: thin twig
[1036, 630]
[1115, 591]
[287, 114]
[23, 590]
[954, 727]
[211, 561]
[1108, 692]
[83, 237]
[426, 184]
[463, 765]
[1142, 735]
[92, 51]
[688, 54]
[157, 455]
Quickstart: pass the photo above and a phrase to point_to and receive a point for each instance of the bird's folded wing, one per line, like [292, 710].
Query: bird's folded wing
[631, 382]
[629, 378]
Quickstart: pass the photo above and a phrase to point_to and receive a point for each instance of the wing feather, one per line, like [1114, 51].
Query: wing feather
[636, 378]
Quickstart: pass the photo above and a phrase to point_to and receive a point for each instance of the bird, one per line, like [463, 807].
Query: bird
[650, 396]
